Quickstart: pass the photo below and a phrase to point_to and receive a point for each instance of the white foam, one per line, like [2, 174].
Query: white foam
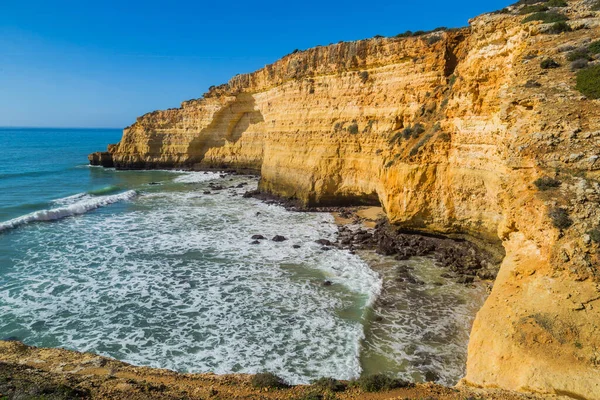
[79, 207]
[197, 177]
[70, 199]
[175, 283]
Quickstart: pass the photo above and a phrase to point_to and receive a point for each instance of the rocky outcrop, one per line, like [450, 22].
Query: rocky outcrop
[448, 131]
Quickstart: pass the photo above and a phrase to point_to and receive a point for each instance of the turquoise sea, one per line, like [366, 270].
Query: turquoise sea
[150, 268]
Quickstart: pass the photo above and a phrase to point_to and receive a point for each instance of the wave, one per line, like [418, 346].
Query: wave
[26, 174]
[77, 208]
[104, 190]
[66, 201]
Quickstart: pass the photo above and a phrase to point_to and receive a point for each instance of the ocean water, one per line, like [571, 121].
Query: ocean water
[146, 267]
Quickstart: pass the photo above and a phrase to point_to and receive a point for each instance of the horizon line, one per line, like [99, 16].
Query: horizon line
[57, 127]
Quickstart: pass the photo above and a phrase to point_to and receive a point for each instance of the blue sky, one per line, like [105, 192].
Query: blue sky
[103, 63]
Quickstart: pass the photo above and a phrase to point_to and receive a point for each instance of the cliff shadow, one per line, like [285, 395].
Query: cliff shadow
[227, 127]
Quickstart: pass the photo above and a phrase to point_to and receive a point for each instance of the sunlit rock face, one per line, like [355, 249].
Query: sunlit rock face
[448, 131]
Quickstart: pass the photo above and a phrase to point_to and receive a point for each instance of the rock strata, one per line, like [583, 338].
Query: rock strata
[449, 132]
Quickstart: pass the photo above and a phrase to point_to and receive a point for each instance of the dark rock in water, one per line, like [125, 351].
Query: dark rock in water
[154, 183]
[323, 242]
[487, 274]
[296, 246]
[251, 194]
[255, 242]
[346, 214]
[258, 212]
[327, 283]
[241, 185]
[466, 279]
[431, 376]
[324, 248]
[11, 339]
[258, 237]
[279, 238]
[216, 187]
[207, 192]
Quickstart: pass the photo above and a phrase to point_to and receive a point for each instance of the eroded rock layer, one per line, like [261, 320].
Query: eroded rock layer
[448, 131]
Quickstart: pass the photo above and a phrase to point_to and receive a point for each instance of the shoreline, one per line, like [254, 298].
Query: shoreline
[366, 217]
[62, 374]
[355, 224]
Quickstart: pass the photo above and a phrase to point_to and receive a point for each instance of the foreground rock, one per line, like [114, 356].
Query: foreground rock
[53, 374]
[448, 131]
[460, 256]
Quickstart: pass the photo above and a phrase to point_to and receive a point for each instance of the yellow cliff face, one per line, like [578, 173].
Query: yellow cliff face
[445, 131]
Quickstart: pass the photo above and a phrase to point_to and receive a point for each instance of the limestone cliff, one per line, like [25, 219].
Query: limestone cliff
[448, 131]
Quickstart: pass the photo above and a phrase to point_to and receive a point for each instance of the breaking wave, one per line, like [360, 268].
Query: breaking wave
[84, 204]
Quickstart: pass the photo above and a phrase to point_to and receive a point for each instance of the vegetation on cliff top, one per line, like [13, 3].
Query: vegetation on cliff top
[546, 183]
[380, 382]
[546, 17]
[560, 218]
[588, 82]
[268, 380]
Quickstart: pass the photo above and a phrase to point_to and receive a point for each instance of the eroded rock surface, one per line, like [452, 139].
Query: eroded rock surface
[448, 131]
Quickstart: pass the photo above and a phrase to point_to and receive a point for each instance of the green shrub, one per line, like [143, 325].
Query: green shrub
[268, 380]
[415, 150]
[330, 384]
[594, 47]
[364, 76]
[595, 234]
[596, 6]
[556, 3]
[546, 17]
[379, 382]
[311, 396]
[417, 130]
[444, 137]
[560, 218]
[579, 54]
[405, 34]
[546, 183]
[559, 27]
[431, 40]
[549, 63]
[353, 128]
[527, 2]
[533, 9]
[452, 80]
[588, 82]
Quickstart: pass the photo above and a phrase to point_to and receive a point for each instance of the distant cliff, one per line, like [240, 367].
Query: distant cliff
[448, 131]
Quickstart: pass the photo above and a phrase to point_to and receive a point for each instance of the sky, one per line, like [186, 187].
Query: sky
[103, 63]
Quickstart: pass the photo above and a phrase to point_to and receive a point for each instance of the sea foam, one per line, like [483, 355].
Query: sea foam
[175, 282]
[79, 204]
